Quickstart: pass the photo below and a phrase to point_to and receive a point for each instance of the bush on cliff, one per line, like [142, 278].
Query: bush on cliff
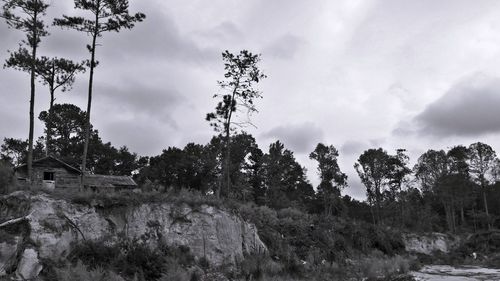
[6, 178]
[134, 259]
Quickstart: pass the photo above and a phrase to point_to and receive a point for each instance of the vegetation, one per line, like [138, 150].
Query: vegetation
[241, 74]
[312, 233]
[6, 177]
[107, 16]
[125, 260]
[27, 16]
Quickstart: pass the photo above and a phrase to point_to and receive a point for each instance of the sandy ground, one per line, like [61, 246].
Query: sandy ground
[449, 273]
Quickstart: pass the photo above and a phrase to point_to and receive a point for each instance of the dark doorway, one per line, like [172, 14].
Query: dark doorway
[48, 176]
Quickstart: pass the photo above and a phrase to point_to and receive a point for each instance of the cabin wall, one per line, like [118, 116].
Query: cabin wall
[62, 178]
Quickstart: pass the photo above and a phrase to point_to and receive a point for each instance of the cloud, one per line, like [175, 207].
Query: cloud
[157, 37]
[300, 138]
[223, 32]
[284, 47]
[353, 147]
[468, 108]
[132, 98]
[144, 136]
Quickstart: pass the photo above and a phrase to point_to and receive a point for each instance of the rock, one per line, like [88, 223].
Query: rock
[29, 266]
[429, 243]
[209, 232]
[8, 251]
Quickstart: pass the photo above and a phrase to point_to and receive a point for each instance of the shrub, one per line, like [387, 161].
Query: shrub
[6, 178]
[79, 272]
[131, 258]
[379, 266]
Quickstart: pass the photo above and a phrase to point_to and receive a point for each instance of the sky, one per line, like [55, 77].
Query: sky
[354, 74]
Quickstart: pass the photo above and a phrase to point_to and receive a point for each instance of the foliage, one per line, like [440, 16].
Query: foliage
[80, 272]
[239, 96]
[332, 179]
[27, 17]
[67, 125]
[133, 259]
[6, 177]
[241, 74]
[374, 168]
[15, 151]
[107, 16]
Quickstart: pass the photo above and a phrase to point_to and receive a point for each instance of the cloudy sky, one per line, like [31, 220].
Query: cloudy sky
[351, 73]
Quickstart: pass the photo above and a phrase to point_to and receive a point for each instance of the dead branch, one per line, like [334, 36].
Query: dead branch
[14, 221]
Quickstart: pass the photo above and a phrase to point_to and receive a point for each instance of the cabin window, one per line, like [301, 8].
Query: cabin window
[48, 176]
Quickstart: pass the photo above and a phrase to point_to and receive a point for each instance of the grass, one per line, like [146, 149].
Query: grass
[127, 198]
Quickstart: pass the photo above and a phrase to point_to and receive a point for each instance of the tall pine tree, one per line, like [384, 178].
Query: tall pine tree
[27, 16]
[107, 15]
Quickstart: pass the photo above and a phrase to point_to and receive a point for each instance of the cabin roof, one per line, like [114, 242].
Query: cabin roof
[108, 181]
[51, 158]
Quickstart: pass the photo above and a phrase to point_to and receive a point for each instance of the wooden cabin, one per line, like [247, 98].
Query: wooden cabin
[100, 183]
[50, 173]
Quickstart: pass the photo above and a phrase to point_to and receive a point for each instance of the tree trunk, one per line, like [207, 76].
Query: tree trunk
[378, 196]
[228, 140]
[453, 219]
[48, 141]
[227, 163]
[32, 100]
[485, 201]
[89, 102]
[449, 217]
[462, 215]
[474, 219]
[373, 215]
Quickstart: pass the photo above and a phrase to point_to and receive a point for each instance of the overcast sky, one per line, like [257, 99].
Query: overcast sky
[355, 74]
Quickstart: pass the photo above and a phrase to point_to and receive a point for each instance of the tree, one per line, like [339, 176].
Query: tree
[433, 171]
[66, 123]
[56, 73]
[398, 173]
[15, 151]
[107, 15]
[239, 95]
[285, 183]
[332, 178]
[373, 168]
[481, 162]
[430, 168]
[26, 16]
[458, 158]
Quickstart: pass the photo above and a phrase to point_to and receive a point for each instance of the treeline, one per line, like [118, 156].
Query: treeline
[451, 190]
[454, 190]
[66, 124]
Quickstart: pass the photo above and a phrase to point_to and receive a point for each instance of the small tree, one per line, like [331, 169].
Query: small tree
[107, 15]
[332, 178]
[26, 16]
[239, 96]
[13, 151]
[373, 168]
[56, 73]
[481, 162]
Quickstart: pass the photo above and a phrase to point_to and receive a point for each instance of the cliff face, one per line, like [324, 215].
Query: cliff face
[429, 243]
[52, 225]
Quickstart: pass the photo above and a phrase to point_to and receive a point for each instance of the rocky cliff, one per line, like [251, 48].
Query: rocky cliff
[50, 226]
[429, 243]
